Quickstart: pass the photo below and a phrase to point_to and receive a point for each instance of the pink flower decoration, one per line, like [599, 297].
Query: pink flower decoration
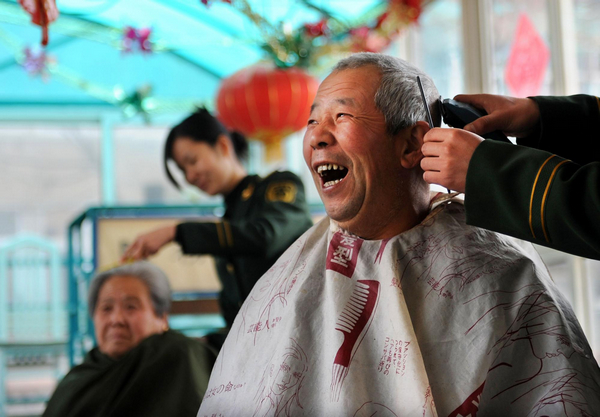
[206, 2]
[139, 37]
[36, 64]
[316, 29]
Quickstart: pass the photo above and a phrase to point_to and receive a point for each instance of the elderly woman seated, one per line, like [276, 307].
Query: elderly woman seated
[140, 367]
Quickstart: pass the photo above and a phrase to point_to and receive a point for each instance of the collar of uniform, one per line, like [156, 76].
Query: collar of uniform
[237, 191]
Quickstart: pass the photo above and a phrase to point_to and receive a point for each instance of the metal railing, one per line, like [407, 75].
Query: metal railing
[32, 313]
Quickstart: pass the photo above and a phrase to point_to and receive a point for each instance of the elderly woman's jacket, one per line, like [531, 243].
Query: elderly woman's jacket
[165, 375]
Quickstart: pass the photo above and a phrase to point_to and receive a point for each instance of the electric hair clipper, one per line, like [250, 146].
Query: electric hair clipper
[457, 114]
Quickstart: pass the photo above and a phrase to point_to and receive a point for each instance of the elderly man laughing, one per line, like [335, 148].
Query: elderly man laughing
[392, 305]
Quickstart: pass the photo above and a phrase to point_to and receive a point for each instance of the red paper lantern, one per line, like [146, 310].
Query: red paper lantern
[266, 103]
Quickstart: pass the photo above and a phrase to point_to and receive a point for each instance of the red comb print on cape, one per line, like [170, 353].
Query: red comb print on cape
[353, 322]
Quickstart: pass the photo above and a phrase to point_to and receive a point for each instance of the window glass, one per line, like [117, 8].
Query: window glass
[562, 268]
[562, 275]
[521, 48]
[295, 163]
[438, 47]
[140, 176]
[587, 16]
[587, 32]
[50, 174]
[593, 275]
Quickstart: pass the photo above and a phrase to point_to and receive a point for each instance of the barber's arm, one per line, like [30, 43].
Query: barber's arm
[448, 152]
[149, 243]
[516, 117]
[275, 223]
[568, 127]
[535, 195]
[565, 126]
[538, 195]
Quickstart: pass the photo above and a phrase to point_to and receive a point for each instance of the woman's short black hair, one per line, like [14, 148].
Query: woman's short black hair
[201, 126]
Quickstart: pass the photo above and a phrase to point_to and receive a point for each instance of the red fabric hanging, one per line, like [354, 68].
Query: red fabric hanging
[43, 12]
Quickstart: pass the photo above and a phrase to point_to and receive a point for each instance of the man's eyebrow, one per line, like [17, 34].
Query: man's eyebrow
[343, 100]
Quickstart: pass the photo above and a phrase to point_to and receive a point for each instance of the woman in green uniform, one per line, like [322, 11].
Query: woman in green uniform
[263, 216]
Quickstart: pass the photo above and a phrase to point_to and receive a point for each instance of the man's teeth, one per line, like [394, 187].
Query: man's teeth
[331, 178]
[330, 183]
[327, 167]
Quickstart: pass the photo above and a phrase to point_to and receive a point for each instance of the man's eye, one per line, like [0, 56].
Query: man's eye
[311, 122]
[342, 115]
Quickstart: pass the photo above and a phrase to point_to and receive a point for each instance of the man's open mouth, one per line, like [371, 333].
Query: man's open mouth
[331, 174]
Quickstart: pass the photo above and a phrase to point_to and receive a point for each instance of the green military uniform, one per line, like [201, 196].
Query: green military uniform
[547, 191]
[262, 218]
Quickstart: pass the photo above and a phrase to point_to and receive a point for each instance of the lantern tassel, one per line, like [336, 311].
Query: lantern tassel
[274, 152]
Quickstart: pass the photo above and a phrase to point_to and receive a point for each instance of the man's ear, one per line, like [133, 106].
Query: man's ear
[411, 154]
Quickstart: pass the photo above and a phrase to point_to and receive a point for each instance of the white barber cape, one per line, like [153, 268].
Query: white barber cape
[442, 320]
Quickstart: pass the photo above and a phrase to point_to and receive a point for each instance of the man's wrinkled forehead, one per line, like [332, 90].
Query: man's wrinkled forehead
[349, 86]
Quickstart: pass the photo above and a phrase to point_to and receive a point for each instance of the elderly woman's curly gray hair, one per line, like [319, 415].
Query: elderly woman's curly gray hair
[398, 96]
[152, 276]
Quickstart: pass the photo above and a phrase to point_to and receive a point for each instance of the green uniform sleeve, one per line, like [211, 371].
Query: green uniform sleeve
[569, 127]
[537, 195]
[283, 216]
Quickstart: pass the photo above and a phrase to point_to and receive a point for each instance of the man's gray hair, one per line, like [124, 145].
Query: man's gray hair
[152, 276]
[398, 96]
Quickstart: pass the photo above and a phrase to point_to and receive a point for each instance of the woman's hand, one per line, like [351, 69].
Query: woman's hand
[148, 244]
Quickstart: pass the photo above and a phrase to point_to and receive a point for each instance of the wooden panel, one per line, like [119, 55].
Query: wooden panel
[186, 273]
[201, 306]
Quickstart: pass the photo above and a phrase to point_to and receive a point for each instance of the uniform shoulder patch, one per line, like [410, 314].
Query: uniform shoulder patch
[284, 191]
[247, 193]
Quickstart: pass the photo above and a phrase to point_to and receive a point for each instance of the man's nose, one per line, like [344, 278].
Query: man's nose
[321, 136]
